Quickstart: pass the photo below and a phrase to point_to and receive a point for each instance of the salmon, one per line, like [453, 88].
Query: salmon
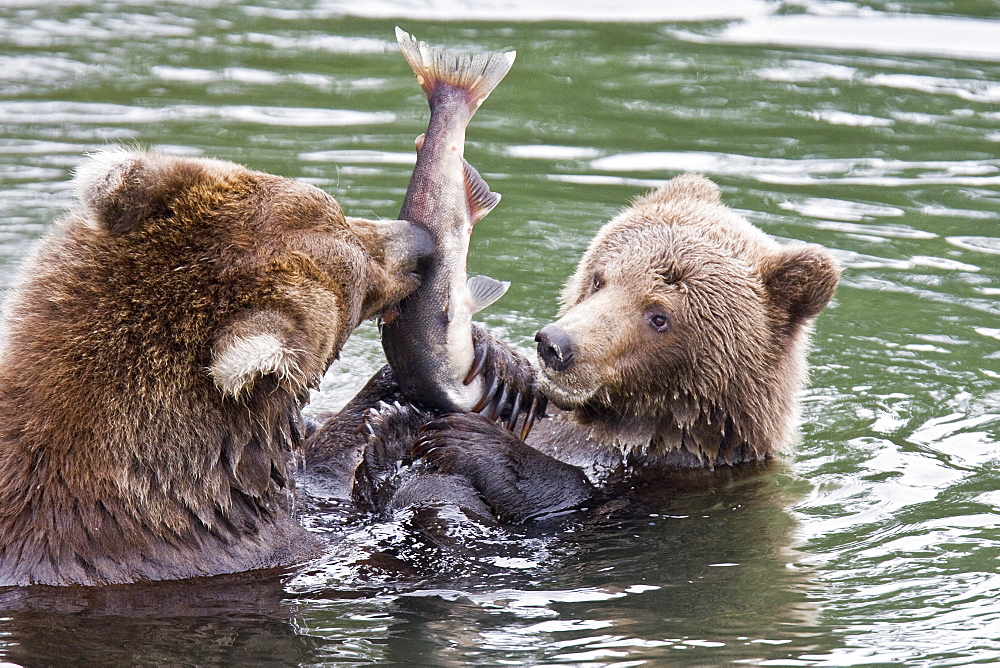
[427, 338]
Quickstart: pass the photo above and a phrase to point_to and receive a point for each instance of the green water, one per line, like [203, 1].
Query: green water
[872, 132]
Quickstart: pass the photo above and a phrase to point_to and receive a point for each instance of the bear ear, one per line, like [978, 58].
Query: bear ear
[120, 188]
[686, 186]
[801, 280]
[255, 345]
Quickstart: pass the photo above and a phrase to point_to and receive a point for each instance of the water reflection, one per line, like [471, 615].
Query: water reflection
[618, 582]
[213, 621]
[648, 574]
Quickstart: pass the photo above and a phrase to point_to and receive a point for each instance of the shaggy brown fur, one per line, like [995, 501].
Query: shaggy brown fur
[161, 342]
[688, 328]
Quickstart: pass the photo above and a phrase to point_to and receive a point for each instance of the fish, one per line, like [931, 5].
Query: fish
[428, 337]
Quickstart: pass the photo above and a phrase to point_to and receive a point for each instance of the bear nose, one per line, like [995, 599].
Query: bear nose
[555, 348]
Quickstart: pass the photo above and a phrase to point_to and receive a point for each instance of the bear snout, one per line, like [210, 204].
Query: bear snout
[555, 347]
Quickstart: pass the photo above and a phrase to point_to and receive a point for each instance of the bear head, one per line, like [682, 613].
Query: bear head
[216, 223]
[683, 330]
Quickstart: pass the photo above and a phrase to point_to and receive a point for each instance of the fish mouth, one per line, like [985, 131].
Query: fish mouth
[563, 397]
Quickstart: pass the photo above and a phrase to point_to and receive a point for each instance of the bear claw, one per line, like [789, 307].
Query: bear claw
[510, 380]
[478, 362]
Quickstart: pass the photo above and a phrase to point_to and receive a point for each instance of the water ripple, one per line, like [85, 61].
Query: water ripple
[115, 114]
[522, 10]
[835, 117]
[360, 156]
[862, 171]
[550, 152]
[866, 30]
[838, 209]
[193, 75]
[990, 245]
[341, 44]
[32, 70]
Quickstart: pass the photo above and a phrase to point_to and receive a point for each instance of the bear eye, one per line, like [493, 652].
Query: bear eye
[598, 282]
[658, 320]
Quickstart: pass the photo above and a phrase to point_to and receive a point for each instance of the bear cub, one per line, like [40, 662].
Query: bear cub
[681, 343]
[162, 340]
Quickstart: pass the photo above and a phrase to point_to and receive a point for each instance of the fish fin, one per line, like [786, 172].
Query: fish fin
[485, 290]
[481, 198]
[478, 75]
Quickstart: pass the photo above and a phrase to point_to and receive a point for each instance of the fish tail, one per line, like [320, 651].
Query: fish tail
[477, 75]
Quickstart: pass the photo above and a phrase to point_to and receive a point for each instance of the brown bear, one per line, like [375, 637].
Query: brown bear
[681, 344]
[161, 342]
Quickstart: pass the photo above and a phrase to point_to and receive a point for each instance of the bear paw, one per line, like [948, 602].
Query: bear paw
[511, 384]
[389, 431]
[518, 482]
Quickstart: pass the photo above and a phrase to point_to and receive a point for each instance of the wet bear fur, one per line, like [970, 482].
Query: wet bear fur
[681, 344]
[160, 344]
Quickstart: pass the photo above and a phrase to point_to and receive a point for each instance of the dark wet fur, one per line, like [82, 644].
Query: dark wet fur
[363, 453]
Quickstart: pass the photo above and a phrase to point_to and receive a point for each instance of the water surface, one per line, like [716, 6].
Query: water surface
[854, 125]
